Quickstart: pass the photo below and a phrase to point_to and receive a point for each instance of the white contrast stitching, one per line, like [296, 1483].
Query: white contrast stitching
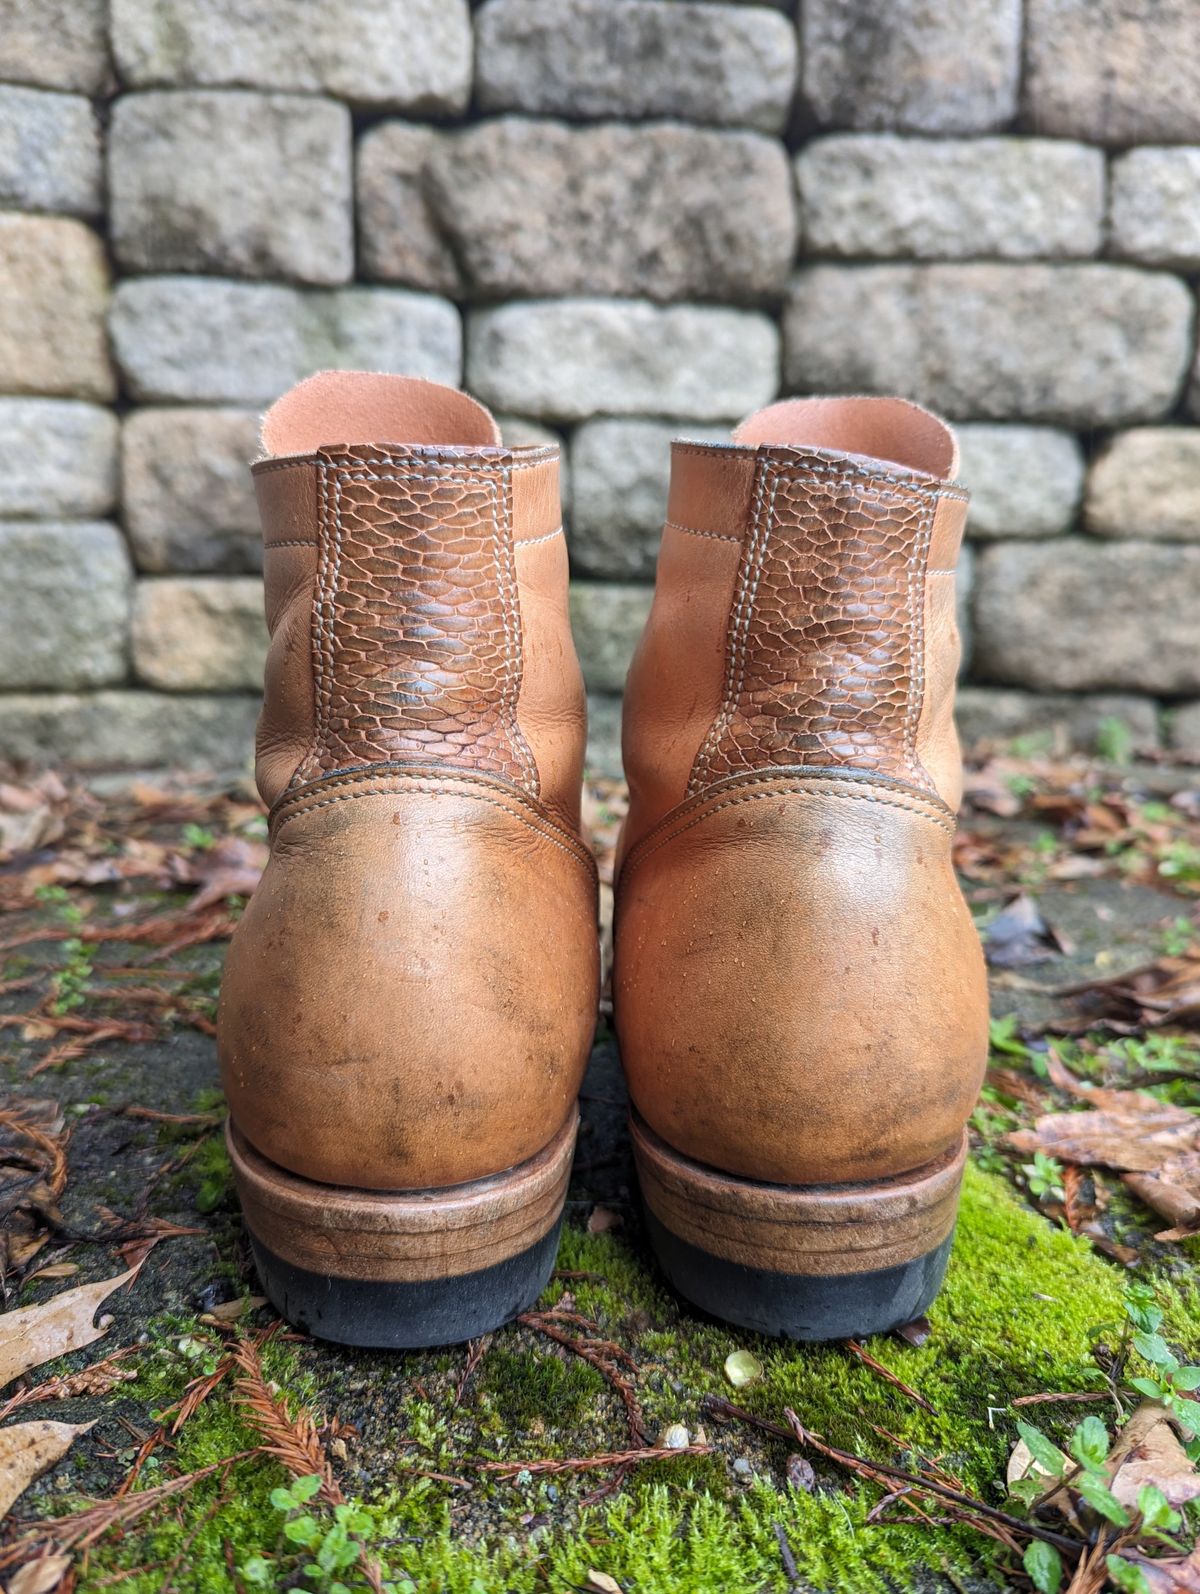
[694, 531]
[529, 542]
[641, 852]
[449, 790]
[739, 626]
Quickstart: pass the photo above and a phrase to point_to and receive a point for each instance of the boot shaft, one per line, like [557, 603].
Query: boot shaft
[416, 593]
[804, 612]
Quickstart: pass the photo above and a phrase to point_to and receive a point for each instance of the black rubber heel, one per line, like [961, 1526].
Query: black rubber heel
[800, 1306]
[407, 1316]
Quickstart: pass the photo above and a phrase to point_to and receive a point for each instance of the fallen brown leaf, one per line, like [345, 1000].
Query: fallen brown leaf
[1153, 1145]
[1147, 1450]
[1174, 1574]
[42, 1576]
[36, 1334]
[27, 1449]
[33, 1175]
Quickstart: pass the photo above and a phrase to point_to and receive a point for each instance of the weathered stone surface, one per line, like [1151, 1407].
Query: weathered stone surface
[533, 208]
[1113, 71]
[999, 716]
[603, 735]
[1080, 345]
[912, 65]
[58, 459]
[400, 235]
[49, 152]
[1146, 483]
[199, 633]
[1183, 728]
[956, 199]
[53, 295]
[1155, 207]
[186, 489]
[607, 622]
[64, 604]
[573, 358]
[58, 44]
[620, 471]
[214, 342]
[271, 196]
[1025, 481]
[128, 730]
[1078, 614]
[636, 58]
[406, 55]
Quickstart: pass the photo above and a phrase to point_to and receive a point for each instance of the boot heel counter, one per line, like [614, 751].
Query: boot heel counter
[400, 1006]
[800, 1025]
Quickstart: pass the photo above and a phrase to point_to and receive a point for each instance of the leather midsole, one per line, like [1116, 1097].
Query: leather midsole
[402, 1236]
[820, 1230]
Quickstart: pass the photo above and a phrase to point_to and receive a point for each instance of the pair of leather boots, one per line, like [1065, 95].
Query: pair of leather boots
[410, 998]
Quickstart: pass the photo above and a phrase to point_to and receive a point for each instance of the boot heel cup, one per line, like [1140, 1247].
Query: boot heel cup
[403, 1269]
[809, 1262]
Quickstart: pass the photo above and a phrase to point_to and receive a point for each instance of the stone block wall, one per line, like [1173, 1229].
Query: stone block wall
[616, 221]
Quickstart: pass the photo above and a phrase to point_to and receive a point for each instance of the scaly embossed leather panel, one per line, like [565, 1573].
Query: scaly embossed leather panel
[416, 624]
[824, 659]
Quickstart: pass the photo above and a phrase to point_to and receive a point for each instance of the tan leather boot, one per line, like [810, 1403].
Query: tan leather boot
[410, 997]
[799, 988]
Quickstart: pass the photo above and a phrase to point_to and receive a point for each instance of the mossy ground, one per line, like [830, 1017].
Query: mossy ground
[1014, 1319]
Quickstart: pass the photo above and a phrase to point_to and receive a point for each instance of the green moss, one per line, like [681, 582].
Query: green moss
[1014, 1319]
[529, 1389]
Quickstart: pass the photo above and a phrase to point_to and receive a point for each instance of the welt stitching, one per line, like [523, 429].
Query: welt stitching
[293, 542]
[717, 729]
[639, 855]
[444, 791]
[694, 531]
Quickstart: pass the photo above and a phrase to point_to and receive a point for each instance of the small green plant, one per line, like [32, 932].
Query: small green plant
[72, 980]
[59, 897]
[1114, 740]
[336, 1544]
[1085, 1473]
[1180, 861]
[1043, 1176]
[198, 838]
[1177, 937]
[1003, 1037]
[70, 984]
[212, 1163]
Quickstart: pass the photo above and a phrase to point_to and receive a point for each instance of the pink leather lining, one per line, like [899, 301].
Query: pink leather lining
[371, 407]
[879, 428]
